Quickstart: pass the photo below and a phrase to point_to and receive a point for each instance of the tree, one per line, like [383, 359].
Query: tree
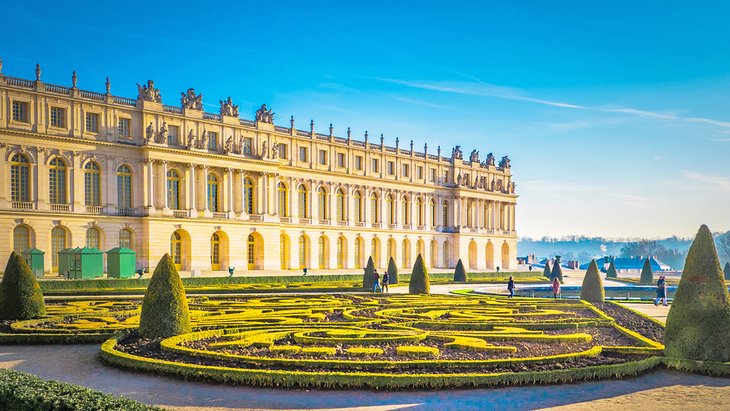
[698, 324]
[592, 288]
[460, 272]
[368, 278]
[647, 277]
[557, 271]
[611, 272]
[419, 283]
[165, 309]
[546, 272]
[20, 295]
[392, 272]
[727, 271]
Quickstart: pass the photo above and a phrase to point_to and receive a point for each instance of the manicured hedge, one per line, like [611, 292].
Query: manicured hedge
[24, 392]
[20, 296]
[647, 277]
[592, 288]
[165, 309]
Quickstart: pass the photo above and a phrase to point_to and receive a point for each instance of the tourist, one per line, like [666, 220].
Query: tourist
[556, 287]
[376, 281]
[530, 267]
[511, 287]
[305, 271]
[497, 268]
[386, 281]
[661, 291]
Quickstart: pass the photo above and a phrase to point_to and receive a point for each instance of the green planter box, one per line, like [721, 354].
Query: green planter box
[121, 262]
[65, 262]
[89, 263]
[34, 258]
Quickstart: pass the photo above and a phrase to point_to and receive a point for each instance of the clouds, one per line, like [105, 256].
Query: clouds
[720, 183]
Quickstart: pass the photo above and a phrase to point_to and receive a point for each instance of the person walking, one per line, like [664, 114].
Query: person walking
[556, 287]
[511, 287]
[386, 281]
[376, 282]
[305, 272]
[661, 291]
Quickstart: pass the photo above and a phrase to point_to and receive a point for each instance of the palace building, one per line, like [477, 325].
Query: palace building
[82, 168]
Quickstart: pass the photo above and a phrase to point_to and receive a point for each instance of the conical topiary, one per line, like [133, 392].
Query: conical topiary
[419, 283]
[546, 272]
[727, 271]
[20, 295]
[460, 272]
[368, 278]
[165, 306]
[392, 272]
[698, 324]
[592, 288]
[557, 271]
[611, 272]
[647, 277]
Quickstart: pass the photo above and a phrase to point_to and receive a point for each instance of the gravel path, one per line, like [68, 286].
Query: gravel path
[78, 364]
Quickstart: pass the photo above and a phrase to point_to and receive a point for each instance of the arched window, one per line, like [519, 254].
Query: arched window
[374, 209]
[284, 252]
[447, 255]
[303, 201]
[340, 204]
[406, 211]
[57, 181]
[19, 178]
[58, 243]
[445, 208]
[375, 251]
[215, 252]
[341, 252]
[283, 200]
[251, 249]
[358, 207]
[92, 184]
[303, 252]
[419, 211]
[248, 195]
[358, 252]
[124, 187]
[125, 238]
[93, 238]
[434, 215]
[173, 189]
[213, 193]
[389, 206]
[21, 238]
[406, 254]
[323, 245]
[176, 249]
[322, 203]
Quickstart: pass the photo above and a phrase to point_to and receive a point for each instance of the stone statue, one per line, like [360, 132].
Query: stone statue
[458, 180]
[191, 101]
[265, 116]
[499, 185]
[191, 139]
[491, 187]
[228, 108]
[264, 149]
[239, 149]
[203, 140]
[512, 188]
[504, 163]
[456, 153]
[274, 151]
[490, 160]
[163, 133]
[149, 92]
[474, 156]
[228, 147]
[149, 133]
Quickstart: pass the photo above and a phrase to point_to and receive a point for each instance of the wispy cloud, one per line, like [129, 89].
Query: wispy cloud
[423, 103]
[714, 182]
[636, 201]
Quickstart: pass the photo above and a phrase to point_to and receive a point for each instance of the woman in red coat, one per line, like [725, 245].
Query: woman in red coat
[556, 287]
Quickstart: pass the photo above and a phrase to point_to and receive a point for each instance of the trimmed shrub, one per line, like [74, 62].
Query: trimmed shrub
[165, 306]
[20, 295]
[546, 272]
[698, 324]
[647, 277]
[392, 272]
[557, 271]
[727, 271]
[419, 283]
[460, 272]
[592, 288]
[368, 278]
[611, 272]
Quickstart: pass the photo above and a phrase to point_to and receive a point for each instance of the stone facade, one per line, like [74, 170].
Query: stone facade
[84, 168]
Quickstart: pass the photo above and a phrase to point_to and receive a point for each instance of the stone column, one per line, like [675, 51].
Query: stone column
[76, 175]
[151, 184]
[191, 198]
[110, 199]
[162, 183]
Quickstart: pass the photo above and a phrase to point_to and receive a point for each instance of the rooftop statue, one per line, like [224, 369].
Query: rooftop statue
[504, 163]
[456, 153]
[474, 156]
[490, 160]
[228, 108]
[149, 92]
[265, 116]
[191, 101]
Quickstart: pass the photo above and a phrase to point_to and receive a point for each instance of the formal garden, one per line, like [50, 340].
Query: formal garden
[336, 334]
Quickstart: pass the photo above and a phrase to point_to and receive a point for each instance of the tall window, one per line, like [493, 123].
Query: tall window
[284, 252]
[375, 251]
[303, 202]
[283, 200]
[213, 193]
[124, 187]
[212, 141]
[58, 117]
[390, 208]
[322, 203]
[21, 238]
[215, 252]
[341, 252]
[434, 215]
[125, 238]
[340, 203]
[57, 181]
[20, 111]
[358, 252]
[19, 178]
[176, 249]
[92, 184]
[251, 249]
[173, 189]
[92, 238]
[124, 127]
[419, 211]
[92, 122]
[323, 252]
[248, 195]
[358, 208]
[406, 211]
[470, 214]
[374, 209]
[303, 251]
[58, 243]
[445, 208]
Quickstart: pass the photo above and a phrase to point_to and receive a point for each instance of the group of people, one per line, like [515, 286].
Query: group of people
[381, 285]
[661, 291]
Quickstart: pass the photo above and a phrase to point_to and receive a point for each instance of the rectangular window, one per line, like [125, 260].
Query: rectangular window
[391, 168]
[92, 122]
[419, 172]
[433, 175]
[303, 154]
[322, 157]
[446, 176]
[341, 160]
[124, 129]
[174, 135]
[283, 151]
[248, 145]
[212, 140]
[58, 117]
[376, 165]
[405, 170]
[358, 162]
[20, 111]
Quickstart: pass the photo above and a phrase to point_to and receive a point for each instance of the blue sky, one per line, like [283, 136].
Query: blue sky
[616, 115]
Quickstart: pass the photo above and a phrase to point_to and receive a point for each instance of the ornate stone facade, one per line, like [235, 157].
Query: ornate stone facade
[84, 168]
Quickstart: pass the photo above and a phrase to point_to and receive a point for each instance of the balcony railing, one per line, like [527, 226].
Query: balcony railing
[125, 211]
[61, 207]
[342, 223]
[421, 227]
[376, 224]
[305, 221]
[324, 221]
[285, 219]
[220, 214]
[19, 82]
[256, 217]
[181, 213]
[93, 209]
[392, 225]
[359, 224]
[23, 205]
